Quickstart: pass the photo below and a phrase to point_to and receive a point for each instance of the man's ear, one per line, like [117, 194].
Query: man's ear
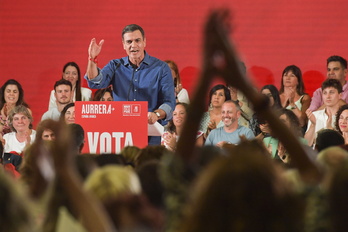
[124, 45]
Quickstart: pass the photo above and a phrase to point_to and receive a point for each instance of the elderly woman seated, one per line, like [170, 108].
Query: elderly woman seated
[20, 121]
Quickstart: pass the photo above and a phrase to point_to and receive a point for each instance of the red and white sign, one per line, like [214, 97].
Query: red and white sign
[110, 125]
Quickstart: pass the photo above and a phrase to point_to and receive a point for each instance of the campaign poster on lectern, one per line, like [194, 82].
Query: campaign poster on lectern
[111, 125]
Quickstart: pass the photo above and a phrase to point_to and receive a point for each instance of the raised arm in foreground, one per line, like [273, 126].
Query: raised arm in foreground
[220, 59]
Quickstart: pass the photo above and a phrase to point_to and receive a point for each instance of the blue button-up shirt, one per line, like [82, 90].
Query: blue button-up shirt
[152, 82]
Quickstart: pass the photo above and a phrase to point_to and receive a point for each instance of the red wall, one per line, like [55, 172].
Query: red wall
[38, 37]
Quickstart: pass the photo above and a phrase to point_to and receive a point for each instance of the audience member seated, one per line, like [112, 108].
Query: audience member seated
[15, 212]
[151, 184]
[63, 94]
[103, 95]
[71, 72]
[111, 181]
[243, 192]
[31, 177]
[149, 153]
[328, 138]
[272, 144]
[292, 93]
[130, 153]
[341, 123]
[212, 118]
[181, 94]
[44, 130]
[119, 190]
[231, 131]
[174, 128]
[11, 95]
[108, 159]
[337, 193]
[245, 108]
[325, 118]
[257, 124]
[336, 69]
[68, 114]
[77, 135]
[20, 121]
[239, 98]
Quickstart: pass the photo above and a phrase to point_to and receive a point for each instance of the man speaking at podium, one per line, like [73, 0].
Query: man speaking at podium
[136, 77]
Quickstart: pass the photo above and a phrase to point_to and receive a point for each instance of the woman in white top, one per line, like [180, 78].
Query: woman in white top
[20, 121]
[181, 94]
[292, 93]
[71, 72]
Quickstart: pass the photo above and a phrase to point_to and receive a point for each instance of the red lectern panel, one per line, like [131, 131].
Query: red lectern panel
[110, 125]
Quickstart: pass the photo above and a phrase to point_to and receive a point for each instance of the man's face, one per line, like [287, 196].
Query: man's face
[331, 96]
[230, 114]
[63, 94]
[336, 71]
[134, 44]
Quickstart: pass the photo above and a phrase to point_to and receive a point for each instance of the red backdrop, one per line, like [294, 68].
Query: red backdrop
[38, 37]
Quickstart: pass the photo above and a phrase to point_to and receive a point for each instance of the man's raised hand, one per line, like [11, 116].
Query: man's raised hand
[94, 48]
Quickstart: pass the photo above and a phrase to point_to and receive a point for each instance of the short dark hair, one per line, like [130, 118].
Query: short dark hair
[131, 28]
[334, 83]
[327, 138]
[78, 135]
[62, 82]
[336, 58]
[218, 87]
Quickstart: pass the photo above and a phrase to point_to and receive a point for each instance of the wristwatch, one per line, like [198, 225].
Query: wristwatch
[293, 107]
[158, 114]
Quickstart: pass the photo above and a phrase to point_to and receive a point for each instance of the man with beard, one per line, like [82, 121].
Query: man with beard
[63, 93]
[231, 131]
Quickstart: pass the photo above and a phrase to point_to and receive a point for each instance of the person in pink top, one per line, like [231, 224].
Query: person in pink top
[336, 69]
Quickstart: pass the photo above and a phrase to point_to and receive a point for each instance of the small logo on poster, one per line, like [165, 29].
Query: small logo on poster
[131, 110]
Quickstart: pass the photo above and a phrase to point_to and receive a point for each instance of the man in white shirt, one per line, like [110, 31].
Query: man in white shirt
[325, 118]
[63, 93]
